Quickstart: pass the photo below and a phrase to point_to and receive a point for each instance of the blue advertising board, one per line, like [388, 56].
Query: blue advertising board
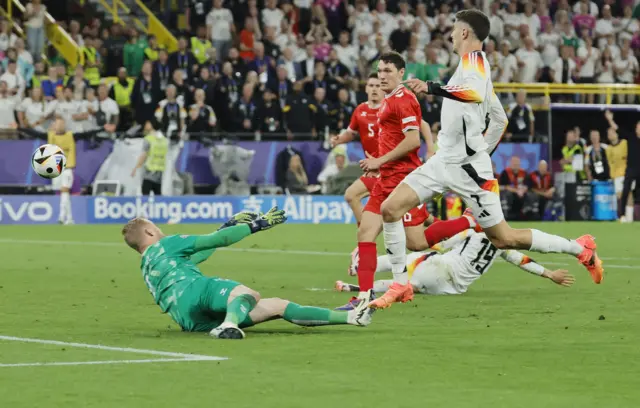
[33, 209]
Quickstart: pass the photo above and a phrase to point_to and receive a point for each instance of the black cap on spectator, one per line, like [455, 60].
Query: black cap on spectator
[477, 20]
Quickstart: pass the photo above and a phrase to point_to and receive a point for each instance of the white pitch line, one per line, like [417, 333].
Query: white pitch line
[77, 363]
[109, 348]
[262, 251]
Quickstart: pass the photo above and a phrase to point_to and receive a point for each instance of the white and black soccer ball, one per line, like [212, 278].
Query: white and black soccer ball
[48, 161]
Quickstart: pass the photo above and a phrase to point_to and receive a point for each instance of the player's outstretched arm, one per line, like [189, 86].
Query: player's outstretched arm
[560, 276]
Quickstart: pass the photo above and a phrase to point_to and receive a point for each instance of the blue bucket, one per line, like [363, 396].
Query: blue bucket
[604, 203]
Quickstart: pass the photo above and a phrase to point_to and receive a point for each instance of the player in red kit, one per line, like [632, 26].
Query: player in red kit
[399, 120]
[364, 122]
[399, 123]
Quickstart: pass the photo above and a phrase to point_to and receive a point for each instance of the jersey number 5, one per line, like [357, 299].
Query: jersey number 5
[370, 126]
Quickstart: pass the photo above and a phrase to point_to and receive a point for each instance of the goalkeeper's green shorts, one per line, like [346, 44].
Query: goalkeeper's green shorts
[201, 305]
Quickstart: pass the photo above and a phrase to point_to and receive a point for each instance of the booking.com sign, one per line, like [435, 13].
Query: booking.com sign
[189, 209]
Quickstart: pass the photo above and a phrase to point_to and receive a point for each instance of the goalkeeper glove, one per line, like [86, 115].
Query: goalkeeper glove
[269, 220]
[243, 217]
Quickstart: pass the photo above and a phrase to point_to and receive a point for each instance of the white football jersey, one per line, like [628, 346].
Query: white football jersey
[468, 98]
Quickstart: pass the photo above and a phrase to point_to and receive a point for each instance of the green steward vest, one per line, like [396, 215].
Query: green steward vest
[123, 93]
[158, 148]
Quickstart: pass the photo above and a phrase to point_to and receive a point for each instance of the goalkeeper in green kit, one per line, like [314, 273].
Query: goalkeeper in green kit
[219, 306]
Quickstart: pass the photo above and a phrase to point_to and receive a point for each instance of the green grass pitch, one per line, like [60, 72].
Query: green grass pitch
[514, 340]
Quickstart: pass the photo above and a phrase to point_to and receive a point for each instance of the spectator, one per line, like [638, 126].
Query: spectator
[337, 71]
[8, 105]
[153, 158]
[322, 80]
[272, 15]
[400, 37]
[347, 53]
[521, 120]
[270, 113]
[508, 64]
[587, 59]
[262, 64]
[245, 112]
[413, 68]
[343, 111]
[202, 119]
[604, 26]
[248, 36]
[541, 191]
[213, 66]
[200, 44]
[207, 83]
[24, 55]
[226, 95]
[171, 115]
[434, 70]
[121, 92]
[282, 85]
[50, 84]
[113, 51]
[298, 113]
[286, 38]
[596, 163]
[34, 112]
[221, 27]
[144, 95]
[582, 19]
[304, 14]
[92, 61]
[161, 72]
[604, 68]
[590, 7]
[497, 23]
[512, 21]
[431, 107]
[289, 64]
[133, 55]
[34, 15]
[183, 92]
[296, 178]
[320, 37]
[626, 28]
[271, 49]
[513, 188]
[23, 67]
[529, 62]
[542, 10]
[306, 67]
[239, 68]
[78, 83]
[105, 110]
[425, 25]
[183, 60]
[71, 111]
[564, 69]
[531, 20]
[361, 19]
[196, 13]
[7, 37]
[331, 170]
[75, 34]
[494, 57]
[626, 69]
[617, 156]
[324, 112]
[152, 51]
[15, 82]
[573, 155]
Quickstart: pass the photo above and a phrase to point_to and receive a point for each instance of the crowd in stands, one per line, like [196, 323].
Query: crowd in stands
[294, 68]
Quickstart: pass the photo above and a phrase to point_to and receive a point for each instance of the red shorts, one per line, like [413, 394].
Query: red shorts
[369, 182]
[382, 190]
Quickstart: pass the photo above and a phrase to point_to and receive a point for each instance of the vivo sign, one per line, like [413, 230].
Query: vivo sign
[34, 211]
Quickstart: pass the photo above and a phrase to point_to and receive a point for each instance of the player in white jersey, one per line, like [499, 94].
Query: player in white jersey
[470, 255]
[462, 164]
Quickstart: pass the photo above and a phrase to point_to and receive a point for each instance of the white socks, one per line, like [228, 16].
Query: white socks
[395, 241]
[628, 212]
[65, 208]
[543, 242]
[384, 264]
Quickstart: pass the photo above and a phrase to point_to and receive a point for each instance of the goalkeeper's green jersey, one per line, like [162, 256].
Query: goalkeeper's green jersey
[173, 260]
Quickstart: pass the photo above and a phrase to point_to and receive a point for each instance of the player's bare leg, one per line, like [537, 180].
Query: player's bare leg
[354, 195]
[242, 300]
[584, 248]
[275, 308]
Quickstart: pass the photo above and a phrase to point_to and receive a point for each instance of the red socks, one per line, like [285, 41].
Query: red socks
[367, 265]
[439, 231]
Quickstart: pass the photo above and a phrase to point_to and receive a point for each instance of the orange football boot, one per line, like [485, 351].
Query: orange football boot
[590, 259]
[396, 293]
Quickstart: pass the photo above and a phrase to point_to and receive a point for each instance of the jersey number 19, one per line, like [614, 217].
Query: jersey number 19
[485, 255]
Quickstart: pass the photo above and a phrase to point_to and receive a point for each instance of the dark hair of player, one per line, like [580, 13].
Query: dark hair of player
[477, 20]
[373, 75]
[394, 58]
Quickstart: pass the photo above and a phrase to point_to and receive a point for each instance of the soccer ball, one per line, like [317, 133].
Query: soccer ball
[48, 161]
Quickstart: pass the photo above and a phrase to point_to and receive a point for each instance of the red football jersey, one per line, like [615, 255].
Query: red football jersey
[364, 121]
[400, 112]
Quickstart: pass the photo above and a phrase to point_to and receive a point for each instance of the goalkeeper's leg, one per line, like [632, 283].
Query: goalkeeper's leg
[275, 308]
[240, 302]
